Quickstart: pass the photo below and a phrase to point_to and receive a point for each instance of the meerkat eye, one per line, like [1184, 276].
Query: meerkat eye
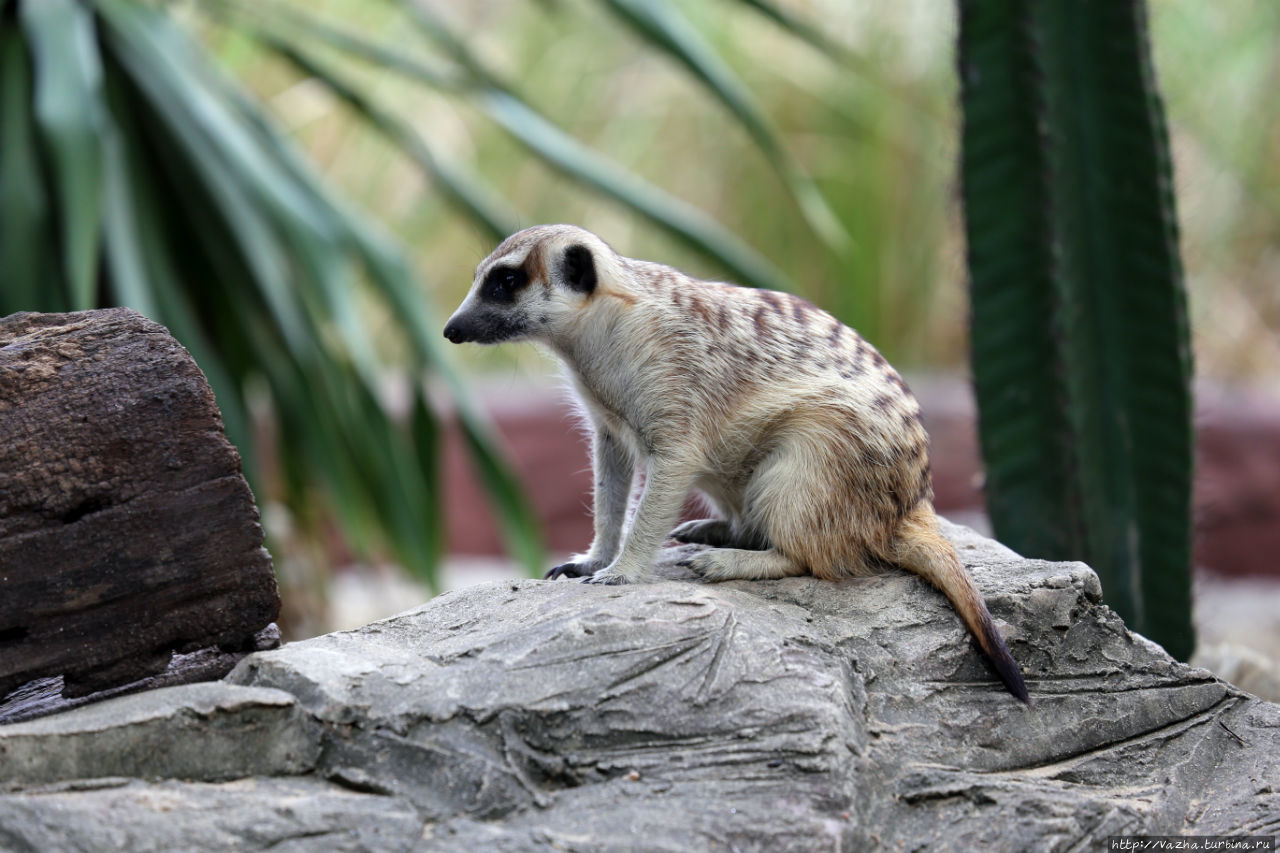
[502, 284]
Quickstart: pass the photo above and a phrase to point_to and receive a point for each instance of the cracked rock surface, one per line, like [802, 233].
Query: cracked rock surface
[781, 715]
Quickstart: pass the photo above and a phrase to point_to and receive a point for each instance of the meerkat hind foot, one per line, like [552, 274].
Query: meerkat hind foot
[726, 564]
[707, 531]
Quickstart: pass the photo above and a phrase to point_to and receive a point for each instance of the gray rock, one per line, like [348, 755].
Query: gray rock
[206, 731]
[781, 715]
[255, 813]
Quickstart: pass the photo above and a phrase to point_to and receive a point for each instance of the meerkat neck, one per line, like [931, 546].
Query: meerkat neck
[610, 361]
[598, 356]
[601, 346]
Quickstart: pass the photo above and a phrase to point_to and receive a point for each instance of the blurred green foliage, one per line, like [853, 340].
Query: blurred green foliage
[863, 98]
[1219, 69]
[133, 173]
[750, 107]
[806, 144]
[824, 162]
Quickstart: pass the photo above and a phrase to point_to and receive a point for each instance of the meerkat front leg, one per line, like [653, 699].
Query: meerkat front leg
[667, 482]
[614, 472]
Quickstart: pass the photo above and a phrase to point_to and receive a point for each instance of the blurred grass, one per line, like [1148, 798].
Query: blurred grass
[1219, 65]
[870, 116]
[873, 122]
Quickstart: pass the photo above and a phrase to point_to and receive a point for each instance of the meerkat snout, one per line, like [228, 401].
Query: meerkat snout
[806, 442]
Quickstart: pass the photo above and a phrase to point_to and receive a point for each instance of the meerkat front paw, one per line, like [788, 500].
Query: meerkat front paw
[612, 575]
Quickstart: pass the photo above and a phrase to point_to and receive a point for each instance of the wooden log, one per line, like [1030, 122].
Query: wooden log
[127, 531]
[44, 696]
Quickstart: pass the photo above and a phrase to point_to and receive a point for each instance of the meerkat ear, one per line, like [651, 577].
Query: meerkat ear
[579, 269]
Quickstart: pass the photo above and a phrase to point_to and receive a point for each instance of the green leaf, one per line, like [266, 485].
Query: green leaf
[131, 274]
[277, 27]
[466, 191]
[425, 435]
[390, 276]
[68, 84]
[30, 284]
[663, 25]
[323, 374]
[403, 495]
[163, 64]
[798, 27]
[211, 223]
[596, 171]
[528, 127]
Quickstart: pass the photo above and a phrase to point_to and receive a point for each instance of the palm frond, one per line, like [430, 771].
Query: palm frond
[198, 212]
[68, 112]
[560, 150]
[664, 26]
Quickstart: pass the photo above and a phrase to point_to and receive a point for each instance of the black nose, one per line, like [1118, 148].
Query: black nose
[453, 332]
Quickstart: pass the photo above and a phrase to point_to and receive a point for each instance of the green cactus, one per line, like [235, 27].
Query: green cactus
[1081, 348]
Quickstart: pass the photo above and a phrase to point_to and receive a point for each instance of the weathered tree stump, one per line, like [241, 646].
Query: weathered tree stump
[126, 529]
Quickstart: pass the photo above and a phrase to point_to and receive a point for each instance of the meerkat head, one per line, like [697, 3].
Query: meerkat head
[533, 286]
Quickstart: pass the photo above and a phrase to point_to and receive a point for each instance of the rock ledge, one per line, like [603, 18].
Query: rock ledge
[781, 715]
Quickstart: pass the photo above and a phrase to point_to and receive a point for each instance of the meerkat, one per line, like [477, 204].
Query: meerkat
[794, 428]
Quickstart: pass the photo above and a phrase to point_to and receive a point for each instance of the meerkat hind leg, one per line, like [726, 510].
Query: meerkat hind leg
[726, 564]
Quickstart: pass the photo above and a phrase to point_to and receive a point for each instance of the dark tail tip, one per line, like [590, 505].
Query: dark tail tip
[1011, 675]
[1006, 667]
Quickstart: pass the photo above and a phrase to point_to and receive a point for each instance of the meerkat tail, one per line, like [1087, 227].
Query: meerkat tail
[921, 549]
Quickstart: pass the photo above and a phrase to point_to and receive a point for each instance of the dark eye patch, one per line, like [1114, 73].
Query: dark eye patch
[503, 283]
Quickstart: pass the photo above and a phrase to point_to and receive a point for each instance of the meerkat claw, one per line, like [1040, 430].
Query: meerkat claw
[567, 570]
